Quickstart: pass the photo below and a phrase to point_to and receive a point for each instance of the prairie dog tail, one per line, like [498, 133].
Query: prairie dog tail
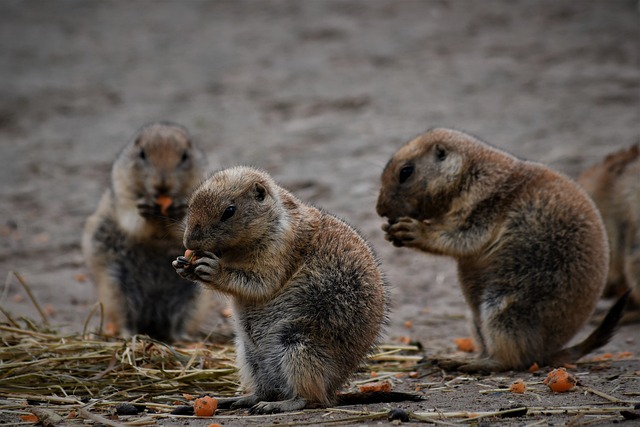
[364, 398]
[599, 337]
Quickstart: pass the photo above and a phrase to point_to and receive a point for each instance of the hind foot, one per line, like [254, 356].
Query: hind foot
[469, 365]
[281, 406]
[482, 365]
[237, 402]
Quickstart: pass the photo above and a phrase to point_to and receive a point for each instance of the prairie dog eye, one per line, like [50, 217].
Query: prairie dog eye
[405, 173]
[228, 213]
[185, 157]
[143, 155]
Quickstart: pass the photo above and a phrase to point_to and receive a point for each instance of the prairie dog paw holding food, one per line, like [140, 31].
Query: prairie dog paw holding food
[201, 267]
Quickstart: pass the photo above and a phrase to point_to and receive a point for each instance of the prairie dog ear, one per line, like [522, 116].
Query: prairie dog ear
[440, 152]
[260, 191]
[450, 161]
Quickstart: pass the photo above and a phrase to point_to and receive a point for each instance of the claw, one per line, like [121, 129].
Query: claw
[263, 408]
[181, 262]
[397, 243]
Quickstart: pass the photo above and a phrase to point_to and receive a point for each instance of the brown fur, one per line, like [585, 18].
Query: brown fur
[614, 185]
[309, 300]
[128, 242]
[531, 249]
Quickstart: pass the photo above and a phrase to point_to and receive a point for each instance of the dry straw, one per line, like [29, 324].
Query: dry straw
[57, 377]
[87, 374]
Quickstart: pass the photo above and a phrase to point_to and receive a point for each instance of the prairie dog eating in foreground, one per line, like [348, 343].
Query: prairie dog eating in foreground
[308, 297]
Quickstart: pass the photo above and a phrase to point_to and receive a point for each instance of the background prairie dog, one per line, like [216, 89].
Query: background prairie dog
[614, 185]
[309, 300]
[131, 239]
[530, 245]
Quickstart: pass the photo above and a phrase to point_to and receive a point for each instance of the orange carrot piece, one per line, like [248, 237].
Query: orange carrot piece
[164, 203]
[559, 380]
[465, 344]
[205, 406]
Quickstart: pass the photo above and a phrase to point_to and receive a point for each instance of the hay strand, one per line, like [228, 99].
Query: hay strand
[33, 299]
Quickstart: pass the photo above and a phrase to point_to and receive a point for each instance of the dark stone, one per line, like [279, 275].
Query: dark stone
[398, 414]
[126, 409]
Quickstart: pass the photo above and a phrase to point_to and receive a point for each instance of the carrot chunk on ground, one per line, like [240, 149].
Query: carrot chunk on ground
[518, 387]
[559, 380]
[465, 344]
[383, 386]
[205, 406]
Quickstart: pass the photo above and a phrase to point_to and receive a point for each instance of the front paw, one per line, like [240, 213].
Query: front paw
[205, 267]
[385, 227]
[406, 232]
[184, 268]
[153, 210]
[149, 211]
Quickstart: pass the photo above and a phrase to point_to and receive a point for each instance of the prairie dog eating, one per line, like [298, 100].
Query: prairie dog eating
[132, 237]
[530, 245]
[309, 299]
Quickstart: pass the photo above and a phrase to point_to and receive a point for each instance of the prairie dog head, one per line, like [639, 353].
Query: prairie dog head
[423, 176]
[235, 209]
[599, 179]
[160, 161]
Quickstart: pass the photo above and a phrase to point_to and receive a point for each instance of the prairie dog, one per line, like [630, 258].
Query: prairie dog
[614, 186]
[530, 245]
[308, 297]
[130, 240]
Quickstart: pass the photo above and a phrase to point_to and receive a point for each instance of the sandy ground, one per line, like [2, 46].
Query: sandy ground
[320, 94]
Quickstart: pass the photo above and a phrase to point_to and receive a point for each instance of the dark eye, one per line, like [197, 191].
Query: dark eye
[143, 155]
[185, 157]
[405, 173]
[441, 153]
[228, 213]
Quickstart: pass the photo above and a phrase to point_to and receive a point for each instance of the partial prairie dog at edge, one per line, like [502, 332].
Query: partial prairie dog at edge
[308, 297]
[614, 186]
[530, 245]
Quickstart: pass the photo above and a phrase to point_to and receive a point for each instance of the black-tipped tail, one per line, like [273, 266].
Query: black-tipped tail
[345, 399]
[599, 337]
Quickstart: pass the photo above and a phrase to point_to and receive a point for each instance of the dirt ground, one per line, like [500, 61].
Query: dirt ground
[320, 94]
